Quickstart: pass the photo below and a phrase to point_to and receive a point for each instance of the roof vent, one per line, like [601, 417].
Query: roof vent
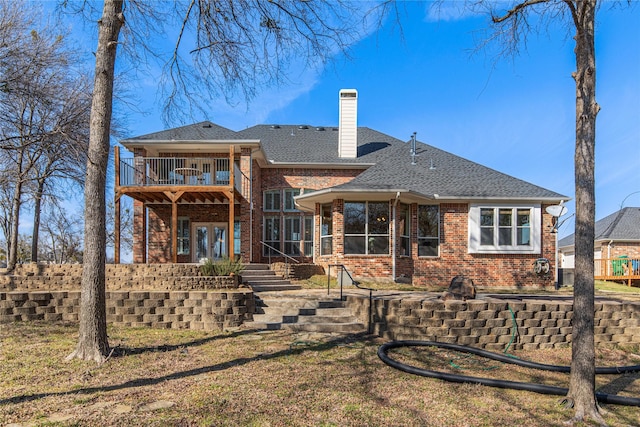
[303, 127]
[319, 128]
[275, 126]
[207, 125]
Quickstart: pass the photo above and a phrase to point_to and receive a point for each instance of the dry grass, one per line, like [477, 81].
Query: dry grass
[279, 378]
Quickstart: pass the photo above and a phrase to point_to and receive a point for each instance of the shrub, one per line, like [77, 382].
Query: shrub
[223, 267]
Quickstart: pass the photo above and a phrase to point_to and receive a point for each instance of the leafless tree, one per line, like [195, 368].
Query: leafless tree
[61, 239]
[38, 103]
[236, 46]
[512, 22]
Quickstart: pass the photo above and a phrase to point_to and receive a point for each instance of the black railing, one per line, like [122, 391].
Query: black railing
[340, 277]
[279, 252]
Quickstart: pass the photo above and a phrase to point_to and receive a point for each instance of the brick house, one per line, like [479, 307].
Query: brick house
[616, 247]
[385, 208]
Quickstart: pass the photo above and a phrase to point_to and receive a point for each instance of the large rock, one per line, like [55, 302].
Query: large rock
[461, 288]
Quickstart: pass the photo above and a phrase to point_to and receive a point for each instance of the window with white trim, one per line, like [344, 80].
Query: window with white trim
[504, 228]
[428, 230]
[366, 228]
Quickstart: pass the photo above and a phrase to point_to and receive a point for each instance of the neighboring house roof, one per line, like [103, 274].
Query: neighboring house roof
[623, 225]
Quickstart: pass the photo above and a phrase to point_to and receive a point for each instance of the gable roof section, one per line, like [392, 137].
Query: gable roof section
[623, 225]
[197, 132]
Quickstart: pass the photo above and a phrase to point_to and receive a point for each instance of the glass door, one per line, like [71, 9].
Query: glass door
[210, 241]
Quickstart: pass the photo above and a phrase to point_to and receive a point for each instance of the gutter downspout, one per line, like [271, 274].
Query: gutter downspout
[394, 237]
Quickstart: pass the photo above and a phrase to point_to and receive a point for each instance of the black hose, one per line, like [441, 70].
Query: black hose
[538, 388]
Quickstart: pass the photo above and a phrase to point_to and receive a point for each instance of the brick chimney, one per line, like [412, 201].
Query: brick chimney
[348, 125]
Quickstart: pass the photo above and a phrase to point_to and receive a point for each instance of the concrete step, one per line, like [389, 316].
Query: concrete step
[304, 313]
[261, 279]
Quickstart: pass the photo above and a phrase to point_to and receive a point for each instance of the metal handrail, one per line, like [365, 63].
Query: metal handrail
[357, 285]
[286, 264]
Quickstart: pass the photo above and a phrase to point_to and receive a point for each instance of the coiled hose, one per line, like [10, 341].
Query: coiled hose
[538, 388]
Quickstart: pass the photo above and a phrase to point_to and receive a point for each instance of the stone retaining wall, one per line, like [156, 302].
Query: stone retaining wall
[494, 324]
[57, 277]
[155, 309]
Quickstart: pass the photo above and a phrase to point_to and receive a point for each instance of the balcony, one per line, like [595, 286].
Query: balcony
[204, 179]
[164, 171]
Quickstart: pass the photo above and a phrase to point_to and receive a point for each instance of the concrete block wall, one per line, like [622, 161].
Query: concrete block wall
[118, 277]
[154, 309]
[494, 324]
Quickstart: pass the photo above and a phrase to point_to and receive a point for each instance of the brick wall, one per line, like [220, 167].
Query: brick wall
[493, 323]
[486, 270]
[154, 309]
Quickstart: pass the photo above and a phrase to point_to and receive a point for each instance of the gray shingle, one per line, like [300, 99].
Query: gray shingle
[203, 131]
[621, 225]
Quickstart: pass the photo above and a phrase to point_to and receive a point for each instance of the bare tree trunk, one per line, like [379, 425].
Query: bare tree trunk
[37, 207]
[92, 341]
[16, 204]
[582, 382]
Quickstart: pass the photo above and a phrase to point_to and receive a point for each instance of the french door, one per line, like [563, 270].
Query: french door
[210, 241]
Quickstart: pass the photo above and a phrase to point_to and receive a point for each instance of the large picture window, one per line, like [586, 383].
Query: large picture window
[428, 230]
[504, 229]
[366, 228]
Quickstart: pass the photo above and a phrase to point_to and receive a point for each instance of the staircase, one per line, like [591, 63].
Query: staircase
[261, 279]
[303, 312]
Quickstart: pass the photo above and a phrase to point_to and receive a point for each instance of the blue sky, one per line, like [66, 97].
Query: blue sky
[516, 115]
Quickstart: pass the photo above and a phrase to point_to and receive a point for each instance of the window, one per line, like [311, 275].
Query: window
[271, 201]
[326, 230]
[292, 236]
[289, 194]
[308, 235]
[404, 227]
[271, 234]
[183, 236]
[513, 229]
[428, 230]
[236, 237]
[366, 228]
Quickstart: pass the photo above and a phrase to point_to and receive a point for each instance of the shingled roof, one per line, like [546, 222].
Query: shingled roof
[386, 161]
[623, 225]
[305, 144]
[203, 131]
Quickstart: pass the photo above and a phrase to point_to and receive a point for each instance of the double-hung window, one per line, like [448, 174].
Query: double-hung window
[512, 229]
[366, 228]
[428, 230]
[271, 201]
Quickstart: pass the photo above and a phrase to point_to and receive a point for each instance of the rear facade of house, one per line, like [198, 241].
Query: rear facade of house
[386, 209]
